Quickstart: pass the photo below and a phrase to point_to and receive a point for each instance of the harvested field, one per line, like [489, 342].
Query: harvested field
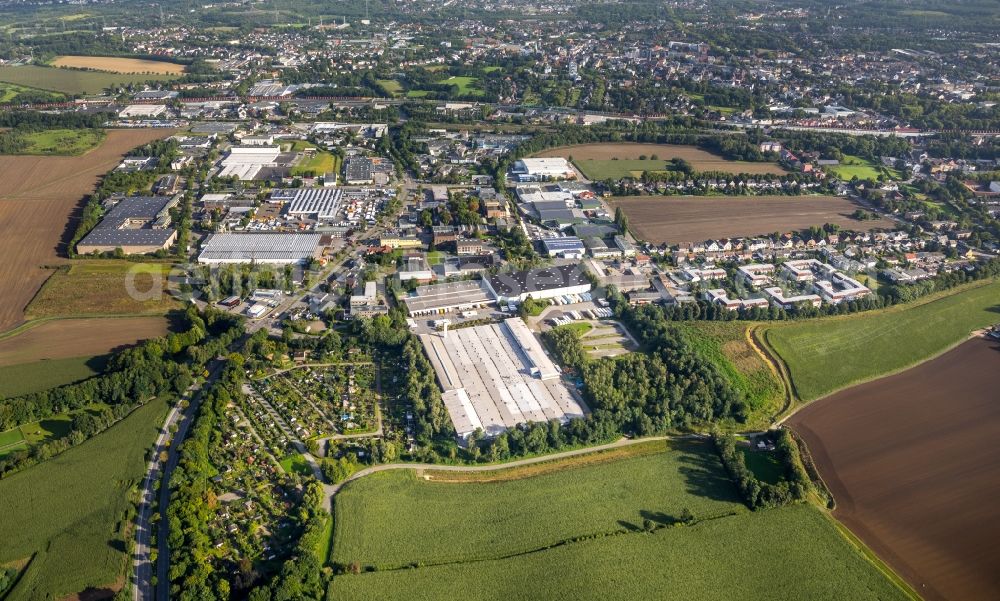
[909, 459]
[72, 81]
[676, 219]
[65, 338]
[700, 159]
[117, 64]
[99, 287]
[39, 201]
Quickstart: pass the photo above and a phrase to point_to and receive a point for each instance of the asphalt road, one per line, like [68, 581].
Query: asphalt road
[142, 586]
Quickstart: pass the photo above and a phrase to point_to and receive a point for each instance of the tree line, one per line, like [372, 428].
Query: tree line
[133, 376]
[758, 494]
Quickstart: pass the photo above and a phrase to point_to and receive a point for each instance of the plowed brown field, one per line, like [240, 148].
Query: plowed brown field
[701, 160]
[913, 464]
[39, 202]
[65, 338]
[676, 219]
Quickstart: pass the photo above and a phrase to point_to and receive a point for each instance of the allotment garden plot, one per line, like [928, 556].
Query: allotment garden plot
[314, 402]
[254, 498]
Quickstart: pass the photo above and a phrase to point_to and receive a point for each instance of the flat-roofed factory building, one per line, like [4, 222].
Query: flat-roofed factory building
[136, 224]
[322, 203]
[497, 376]
[275, 249]
[435, 299]
[544, 282]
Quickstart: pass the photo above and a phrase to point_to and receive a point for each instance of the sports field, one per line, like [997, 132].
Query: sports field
[616, 160]
[677, 219]
[39, 198]
[910, 461]
[598, 531]
[319, 163]
[72, 81]
[73, 512]
[827, 354]
[852, 166]
[118, 64]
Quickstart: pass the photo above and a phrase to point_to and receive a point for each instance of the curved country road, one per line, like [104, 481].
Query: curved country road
[332, 489]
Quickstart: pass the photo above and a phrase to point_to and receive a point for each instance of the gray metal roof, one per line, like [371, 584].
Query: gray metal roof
[260, 248]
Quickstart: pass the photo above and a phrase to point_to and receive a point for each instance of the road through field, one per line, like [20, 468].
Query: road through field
[911, 461]
[39, 199]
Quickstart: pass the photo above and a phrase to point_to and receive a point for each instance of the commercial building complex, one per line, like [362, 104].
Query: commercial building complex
[544, 282]
[534, 170]
[278, 249]
[136, 224]
[497, 376]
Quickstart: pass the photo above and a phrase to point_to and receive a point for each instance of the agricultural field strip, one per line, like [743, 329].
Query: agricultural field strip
[579, 482]
[898, 461]
[945, 311]
[748, 556]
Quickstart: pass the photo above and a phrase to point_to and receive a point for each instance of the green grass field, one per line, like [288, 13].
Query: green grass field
[467, 86]
[577, 534]
[11, 437]
[824, 355]
[597, 169]
[71, 81]
[764, 465]
[9, 91]
[852, 166]
[790, 553]
[318, 164]
[65, 142]
[392, 519]
[76, 507]
[725, 344]
[25, 378]
[295, 463]
[391, 86]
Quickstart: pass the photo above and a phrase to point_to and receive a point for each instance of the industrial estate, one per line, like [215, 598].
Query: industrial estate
[575, 300]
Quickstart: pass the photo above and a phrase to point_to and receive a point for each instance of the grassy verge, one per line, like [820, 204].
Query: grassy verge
[825, 355]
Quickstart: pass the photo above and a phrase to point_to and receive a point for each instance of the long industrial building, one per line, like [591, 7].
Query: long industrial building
[246, 162]
[275, 249]
[137, 225]
[497, 376]
[432, 299]
[321, 202]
